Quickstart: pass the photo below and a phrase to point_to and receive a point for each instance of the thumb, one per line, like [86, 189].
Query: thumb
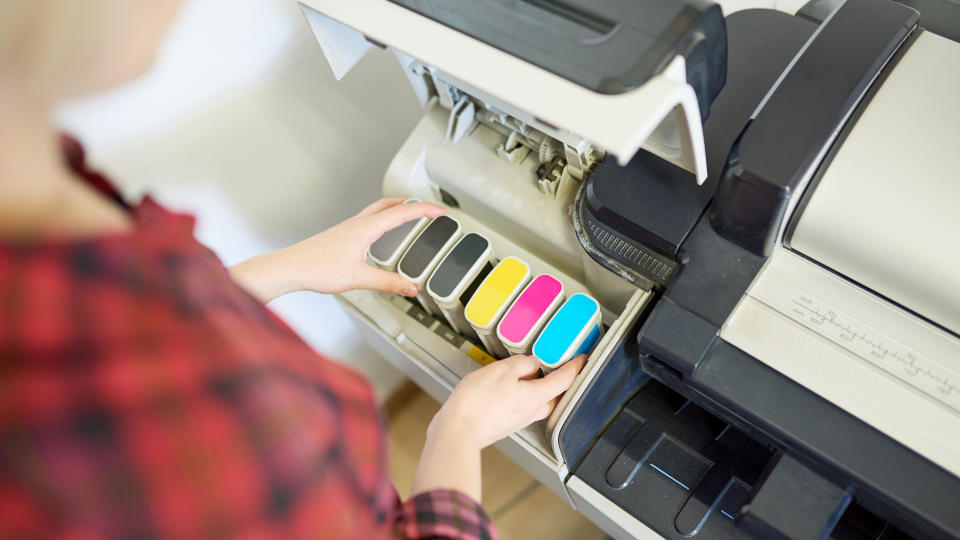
[522, 366]
[380, 205]
[382, 280]
[399, 214]
[559, 380]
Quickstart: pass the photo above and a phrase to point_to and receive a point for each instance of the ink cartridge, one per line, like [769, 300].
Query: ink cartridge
[425, 253]
[527, 316]
[458, 276]
[387, 250]
[492, 299]
[573, 330]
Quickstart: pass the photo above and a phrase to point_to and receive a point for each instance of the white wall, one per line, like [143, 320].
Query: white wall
[241, 123]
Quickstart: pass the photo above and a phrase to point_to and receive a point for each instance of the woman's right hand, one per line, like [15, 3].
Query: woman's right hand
[488, 405]
[498, 399]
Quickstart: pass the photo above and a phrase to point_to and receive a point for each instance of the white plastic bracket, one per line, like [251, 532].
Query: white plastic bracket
[679, 136]
[343, 46]
[463, 117]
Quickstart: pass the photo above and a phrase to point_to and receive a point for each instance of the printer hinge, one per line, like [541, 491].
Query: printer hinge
[580, 160]
[560, 163]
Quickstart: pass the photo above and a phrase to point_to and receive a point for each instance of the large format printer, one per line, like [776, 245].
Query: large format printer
[766, 205]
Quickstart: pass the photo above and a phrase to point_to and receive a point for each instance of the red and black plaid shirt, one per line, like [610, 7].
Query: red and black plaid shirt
[144, 394]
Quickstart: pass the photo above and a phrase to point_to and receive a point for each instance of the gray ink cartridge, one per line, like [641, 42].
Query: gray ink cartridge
[425, 253]
[458, 276]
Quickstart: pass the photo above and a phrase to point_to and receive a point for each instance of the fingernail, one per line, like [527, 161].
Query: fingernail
[410, 290]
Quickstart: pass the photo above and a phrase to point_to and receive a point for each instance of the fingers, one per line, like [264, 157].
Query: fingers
[399, 214]
[521, 366]
[558, 381]
[381, 204]
[382, 280]
[545, 410]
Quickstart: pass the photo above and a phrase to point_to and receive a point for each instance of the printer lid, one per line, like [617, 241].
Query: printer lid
[607, 73]
[607, 47]
[885, 212]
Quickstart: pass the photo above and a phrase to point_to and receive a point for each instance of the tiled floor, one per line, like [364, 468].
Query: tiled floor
[518, 504]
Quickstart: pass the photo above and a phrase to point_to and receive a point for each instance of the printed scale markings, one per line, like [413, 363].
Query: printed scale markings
[846, 331]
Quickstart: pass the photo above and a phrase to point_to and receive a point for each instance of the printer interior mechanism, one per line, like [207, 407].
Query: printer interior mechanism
[755, 213]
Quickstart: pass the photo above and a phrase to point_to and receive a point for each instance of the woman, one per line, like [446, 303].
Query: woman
[145, 390]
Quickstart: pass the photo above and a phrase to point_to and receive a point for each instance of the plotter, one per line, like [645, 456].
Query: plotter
[759, 208]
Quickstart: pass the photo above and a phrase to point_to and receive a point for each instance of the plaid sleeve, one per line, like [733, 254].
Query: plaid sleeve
[444, 514]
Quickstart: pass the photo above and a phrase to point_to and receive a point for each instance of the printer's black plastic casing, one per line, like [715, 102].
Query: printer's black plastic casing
[684, 431]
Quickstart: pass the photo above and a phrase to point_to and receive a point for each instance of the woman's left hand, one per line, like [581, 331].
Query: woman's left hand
[335, 260]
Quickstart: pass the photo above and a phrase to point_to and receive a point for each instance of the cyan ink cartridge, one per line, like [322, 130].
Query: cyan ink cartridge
[575, 329]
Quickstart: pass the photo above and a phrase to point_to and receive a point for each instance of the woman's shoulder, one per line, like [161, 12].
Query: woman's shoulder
[139, 353]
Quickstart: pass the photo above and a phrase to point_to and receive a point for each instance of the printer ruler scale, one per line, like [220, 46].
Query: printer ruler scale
[936, 378]
[836, 339]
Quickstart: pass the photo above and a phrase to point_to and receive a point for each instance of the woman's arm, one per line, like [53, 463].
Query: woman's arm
[334, 260]
[488, 405]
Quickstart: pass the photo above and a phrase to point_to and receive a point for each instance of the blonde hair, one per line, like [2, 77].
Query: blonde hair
[47, 43]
